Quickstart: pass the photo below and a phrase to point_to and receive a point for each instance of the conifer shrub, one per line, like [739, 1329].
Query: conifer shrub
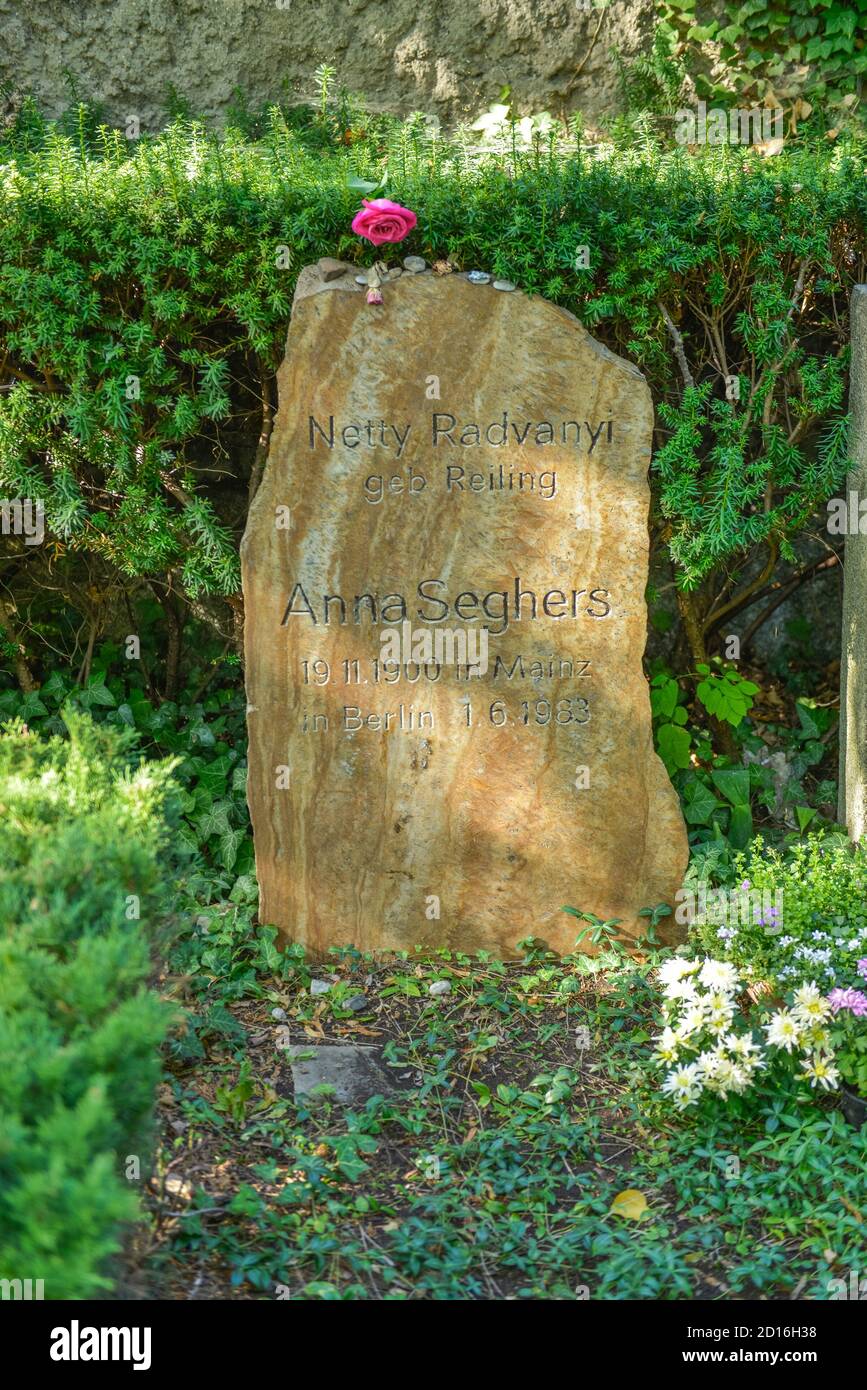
[146, 288]
[82, 828]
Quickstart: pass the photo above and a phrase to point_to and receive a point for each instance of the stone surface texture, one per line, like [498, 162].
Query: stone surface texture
[450, 808]
[449, 60]
[355, 1072]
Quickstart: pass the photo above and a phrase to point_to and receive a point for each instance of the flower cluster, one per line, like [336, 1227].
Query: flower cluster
[855, 1000]
[709, 1046]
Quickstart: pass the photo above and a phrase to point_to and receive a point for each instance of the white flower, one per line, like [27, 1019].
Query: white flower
[728, 1077]
[719, 1012]
[681, 989]
[816, 1037]
[743, 1046]
[668, 1045]
[692, 1021]
[683, 1085]
[821, 1071]
[719, 975]
[810, 1004]
[784, 1030]
[707, 1063]
[675, 969]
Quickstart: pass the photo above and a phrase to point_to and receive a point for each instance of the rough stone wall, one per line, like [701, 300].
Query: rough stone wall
[450, 58]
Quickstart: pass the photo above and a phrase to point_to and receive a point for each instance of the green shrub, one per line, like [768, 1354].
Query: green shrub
[145, 292]
[81, 831]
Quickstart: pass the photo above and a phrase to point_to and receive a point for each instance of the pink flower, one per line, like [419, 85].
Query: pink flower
[862, 967]
[852, 999]
[381, 221]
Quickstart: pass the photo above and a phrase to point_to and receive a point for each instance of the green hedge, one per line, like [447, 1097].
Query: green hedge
[145, 292]
[81, 831]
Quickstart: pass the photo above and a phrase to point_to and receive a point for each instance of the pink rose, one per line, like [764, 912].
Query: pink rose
[381, 220]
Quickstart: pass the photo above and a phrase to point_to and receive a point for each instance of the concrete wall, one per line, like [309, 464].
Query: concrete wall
[445, 57]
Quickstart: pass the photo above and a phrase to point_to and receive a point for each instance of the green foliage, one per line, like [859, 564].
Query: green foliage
[145, 291]
[494, 1170]
[80, 882]
[523, 1126]
[799, 47]
[823, 880]
[804, 918]
[728, 695]
[203, 732]
[673, 739]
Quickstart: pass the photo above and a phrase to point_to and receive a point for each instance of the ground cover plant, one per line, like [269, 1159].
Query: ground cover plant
[525, 1154]
[526, 1150]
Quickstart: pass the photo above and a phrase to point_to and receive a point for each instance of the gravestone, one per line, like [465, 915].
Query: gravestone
[444, 572]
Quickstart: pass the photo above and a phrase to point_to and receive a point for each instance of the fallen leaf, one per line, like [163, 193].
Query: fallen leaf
[630, 1203]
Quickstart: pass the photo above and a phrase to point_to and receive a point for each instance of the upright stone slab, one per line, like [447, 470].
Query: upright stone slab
[455, 459]
[852, 782]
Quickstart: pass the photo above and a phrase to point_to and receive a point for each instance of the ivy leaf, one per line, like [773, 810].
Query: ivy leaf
[734, 784]
[699, 803]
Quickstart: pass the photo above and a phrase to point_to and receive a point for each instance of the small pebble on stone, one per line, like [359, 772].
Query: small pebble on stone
[331, 269]
[361, 279]
[356, 1003]
[414, 264]
[479, 277]
[503, 285]
[440, 987]
[319, 986]
[279, 1014]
